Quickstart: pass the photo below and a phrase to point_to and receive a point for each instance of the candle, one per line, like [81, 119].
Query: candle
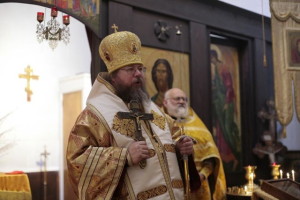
[40, 16]
[66, 20]
[54, 12]
[288, 175]
[293, 175]
[280, 174]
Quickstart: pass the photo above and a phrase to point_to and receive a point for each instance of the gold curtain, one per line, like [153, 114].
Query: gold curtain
[285, 21]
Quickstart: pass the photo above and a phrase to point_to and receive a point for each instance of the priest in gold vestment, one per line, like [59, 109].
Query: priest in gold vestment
[206, 154]
[121, 146]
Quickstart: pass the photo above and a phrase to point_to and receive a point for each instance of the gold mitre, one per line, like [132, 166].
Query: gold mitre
[120, 49]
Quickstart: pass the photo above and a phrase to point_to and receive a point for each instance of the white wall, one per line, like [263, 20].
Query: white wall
[34, 124]
[257, 6]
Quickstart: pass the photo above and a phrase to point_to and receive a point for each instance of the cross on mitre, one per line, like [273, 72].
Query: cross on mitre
[115, 27]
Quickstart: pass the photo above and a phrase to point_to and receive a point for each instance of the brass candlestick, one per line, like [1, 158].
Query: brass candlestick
[275, 170]
[250, 176]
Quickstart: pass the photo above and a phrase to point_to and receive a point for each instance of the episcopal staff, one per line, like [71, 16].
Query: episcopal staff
[187, 189]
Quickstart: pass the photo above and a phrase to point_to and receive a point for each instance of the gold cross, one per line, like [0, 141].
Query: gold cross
[28, 76]
[115, 27]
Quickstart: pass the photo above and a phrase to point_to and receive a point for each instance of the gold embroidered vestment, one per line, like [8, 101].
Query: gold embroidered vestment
[97, 156]
[205, 148]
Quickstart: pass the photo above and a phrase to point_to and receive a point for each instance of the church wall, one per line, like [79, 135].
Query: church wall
[35, 119]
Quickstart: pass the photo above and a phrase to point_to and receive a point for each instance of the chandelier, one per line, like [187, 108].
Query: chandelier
[53, 32]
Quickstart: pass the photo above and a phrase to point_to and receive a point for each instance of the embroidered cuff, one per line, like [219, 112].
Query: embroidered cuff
[129, 160]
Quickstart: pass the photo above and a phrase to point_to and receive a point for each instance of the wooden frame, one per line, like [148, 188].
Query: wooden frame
[292, 51]
[179, 64]
[225, 77]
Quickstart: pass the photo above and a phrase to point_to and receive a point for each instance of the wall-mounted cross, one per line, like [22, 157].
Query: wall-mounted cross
[28, 76]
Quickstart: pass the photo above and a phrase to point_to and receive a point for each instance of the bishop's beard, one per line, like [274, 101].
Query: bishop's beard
[134, 92]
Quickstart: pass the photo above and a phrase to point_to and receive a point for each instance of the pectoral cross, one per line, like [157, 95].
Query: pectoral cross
[136, 115]
[28, 76]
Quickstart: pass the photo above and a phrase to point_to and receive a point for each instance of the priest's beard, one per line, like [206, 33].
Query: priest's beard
[177, 111]
[128, 93]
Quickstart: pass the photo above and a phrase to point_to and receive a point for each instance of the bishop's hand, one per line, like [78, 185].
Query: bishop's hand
[138, 151]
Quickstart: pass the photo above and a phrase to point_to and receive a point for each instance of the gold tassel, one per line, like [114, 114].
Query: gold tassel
[265, 61]
[265, 64]
[283, 132]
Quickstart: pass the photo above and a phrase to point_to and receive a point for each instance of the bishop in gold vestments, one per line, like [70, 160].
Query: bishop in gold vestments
[100, 162]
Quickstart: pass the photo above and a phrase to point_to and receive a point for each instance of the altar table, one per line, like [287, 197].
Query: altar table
[14, 187]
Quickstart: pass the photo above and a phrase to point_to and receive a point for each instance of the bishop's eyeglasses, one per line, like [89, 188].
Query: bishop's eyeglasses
[131, 70]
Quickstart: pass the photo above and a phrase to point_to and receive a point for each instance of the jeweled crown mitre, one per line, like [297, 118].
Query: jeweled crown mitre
[120, 49]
